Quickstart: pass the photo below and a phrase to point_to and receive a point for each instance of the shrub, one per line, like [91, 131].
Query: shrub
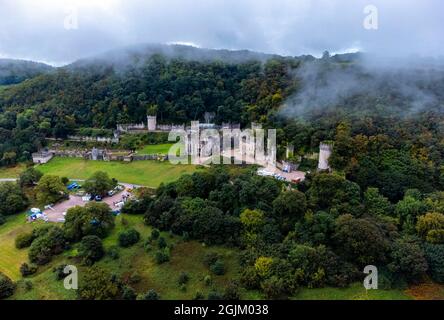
[150, 295]
[218, 268]
[46, 246]
[198, 296]
[113, 252]
[97, 284]
[183, 278]
[27, 270]
[26, 285]
[250, 279]
[162, 256]
[128, 238]
[7, 287]
[232, 292]
[210, 258]
[162, 243]
[64, 180]
[2, 219]
[208, 280]
[154, 234]
[134, 278]
[59, 272]
[91, 249]
[214, 295]
[274, 288]
[24, 240]
[129, 293]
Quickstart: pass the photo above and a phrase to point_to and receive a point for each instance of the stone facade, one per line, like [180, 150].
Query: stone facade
[42, 157]
[325, 151]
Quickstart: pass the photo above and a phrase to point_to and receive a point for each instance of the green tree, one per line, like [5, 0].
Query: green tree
[30, 177]
[360, 241]
[97, 284]
[431, 227]
[407, 259]
[93, 219]
[128, 238]
[12, 199]
[50, 189]
[288, 208]
[7, 287]
[91, 249]
[376, 204]
[99, 184]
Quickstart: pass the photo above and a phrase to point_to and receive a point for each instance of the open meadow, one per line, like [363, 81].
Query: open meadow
[144, 173]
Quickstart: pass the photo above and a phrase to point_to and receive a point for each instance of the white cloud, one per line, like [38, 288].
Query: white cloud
[35, 29]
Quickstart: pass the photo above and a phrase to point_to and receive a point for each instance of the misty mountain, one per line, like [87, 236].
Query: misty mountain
[16, 71]
[137, 55]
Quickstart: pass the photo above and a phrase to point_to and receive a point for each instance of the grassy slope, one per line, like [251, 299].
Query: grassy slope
[185, 257]
[155, 149]
[146, 173]
[11, 172]
[10, 257]
[354, 292]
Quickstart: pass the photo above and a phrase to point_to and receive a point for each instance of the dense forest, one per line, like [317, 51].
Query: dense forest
[387, 124]
[383, 204]
[16, 71]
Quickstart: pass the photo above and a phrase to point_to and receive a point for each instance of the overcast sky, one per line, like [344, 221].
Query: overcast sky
[45, 30]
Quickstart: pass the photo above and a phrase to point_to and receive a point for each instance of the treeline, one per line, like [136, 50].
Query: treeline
[177, 90]
[323, 234]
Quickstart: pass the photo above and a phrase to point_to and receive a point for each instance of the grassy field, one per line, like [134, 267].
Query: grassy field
[146, 173]
[185, 257]
[11, 172]
[353, 292]
[155, 149]
[10, 257]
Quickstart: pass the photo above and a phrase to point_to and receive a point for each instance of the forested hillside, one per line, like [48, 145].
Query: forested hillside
[16, 71]
[387, 124]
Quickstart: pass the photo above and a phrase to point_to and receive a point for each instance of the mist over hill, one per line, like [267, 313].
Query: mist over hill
[15, 71]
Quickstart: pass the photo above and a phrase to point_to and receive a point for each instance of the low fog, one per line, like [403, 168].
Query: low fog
[63, 31]
[325, 85]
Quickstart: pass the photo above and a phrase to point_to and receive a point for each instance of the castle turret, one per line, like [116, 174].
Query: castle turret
[152, 123]
[325, 151]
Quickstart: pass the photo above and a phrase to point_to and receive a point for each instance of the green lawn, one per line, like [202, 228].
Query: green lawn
[10, 257]
[155, 149]
[354, 292]
[185, 257]
[11, 172]
[146, 173]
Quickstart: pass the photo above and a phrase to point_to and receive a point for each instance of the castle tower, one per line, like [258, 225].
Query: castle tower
[152, 123]
[325, 151]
